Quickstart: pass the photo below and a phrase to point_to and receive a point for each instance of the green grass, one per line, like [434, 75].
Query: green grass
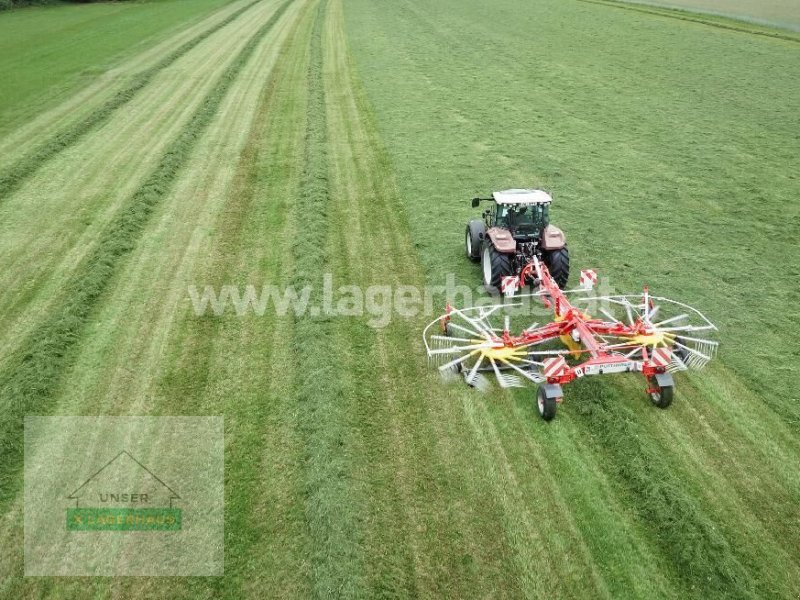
[13, 176]
[661, 176]
[46, 52]
[347, 138]
[32, 375]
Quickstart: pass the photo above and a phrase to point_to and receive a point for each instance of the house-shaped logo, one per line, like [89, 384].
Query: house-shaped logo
[124, 495]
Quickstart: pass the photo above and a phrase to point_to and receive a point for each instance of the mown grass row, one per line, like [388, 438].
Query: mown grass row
[13, 177]
[701, 557]
[332, 508]
[28, 383]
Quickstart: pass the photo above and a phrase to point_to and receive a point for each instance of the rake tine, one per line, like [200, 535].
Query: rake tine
[688, 328]
[628, 312]
[694, 352]
[679, 364]
[457, 361]
[671, 320]
[473, 372]
[468, 319]
[464, 329]
[505, 381]
[651, 314]
[624, 345]
[447, 338]
[454, 349]
[609, 315]
[531, 362]
[527, 375]
[632, 352]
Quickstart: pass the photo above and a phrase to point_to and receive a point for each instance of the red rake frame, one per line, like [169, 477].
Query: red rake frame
[633, 342]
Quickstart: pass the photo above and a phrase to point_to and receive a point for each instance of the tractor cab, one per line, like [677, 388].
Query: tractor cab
[525, 213]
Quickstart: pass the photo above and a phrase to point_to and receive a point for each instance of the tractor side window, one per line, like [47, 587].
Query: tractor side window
[501, 215]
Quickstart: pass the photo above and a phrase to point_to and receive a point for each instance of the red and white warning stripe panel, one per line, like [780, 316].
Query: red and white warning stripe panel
[554, 367]
[509, 285]
[588, 278]
[660, 357]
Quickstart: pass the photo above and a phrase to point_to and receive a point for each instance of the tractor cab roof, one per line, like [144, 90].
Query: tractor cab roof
[522, 197]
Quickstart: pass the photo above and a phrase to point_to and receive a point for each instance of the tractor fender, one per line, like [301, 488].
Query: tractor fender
[553, 238]
[502, 240]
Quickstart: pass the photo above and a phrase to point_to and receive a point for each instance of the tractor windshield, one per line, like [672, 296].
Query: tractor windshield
[523, 217]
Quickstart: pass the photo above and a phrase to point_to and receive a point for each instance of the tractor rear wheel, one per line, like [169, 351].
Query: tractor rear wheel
[557, 262]
[476, 230]
[495, 266]
[662, 395]
[547, 406]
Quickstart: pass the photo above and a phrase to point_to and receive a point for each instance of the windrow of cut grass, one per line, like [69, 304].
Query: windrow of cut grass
[701, 555]
[32, 374]
[62, 110]
[47, 54]
[146, 352]
[83, 188]
[333, 495]
[13, 176]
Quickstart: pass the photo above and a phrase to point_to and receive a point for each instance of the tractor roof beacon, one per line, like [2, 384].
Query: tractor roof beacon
[587, 335]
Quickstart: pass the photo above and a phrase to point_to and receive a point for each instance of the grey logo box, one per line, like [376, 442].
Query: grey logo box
[124, 496]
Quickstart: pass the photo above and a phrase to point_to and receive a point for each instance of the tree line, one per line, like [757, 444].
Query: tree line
[9, 4]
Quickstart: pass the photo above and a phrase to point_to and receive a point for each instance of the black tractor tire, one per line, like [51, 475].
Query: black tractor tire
[663, 397]
[473, 238]
[496, 265]
[557, 262]
[547, 406]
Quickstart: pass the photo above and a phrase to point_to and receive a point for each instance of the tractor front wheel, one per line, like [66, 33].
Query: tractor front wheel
[476, 231]
[660, 395]
[547, 406]
[495, 266]
[557, 262]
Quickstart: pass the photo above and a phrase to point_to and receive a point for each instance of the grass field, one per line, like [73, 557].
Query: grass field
[46, 53]
[274, 141]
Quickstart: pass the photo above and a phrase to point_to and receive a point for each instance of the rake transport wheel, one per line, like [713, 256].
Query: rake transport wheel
[661, 396]
[495, 266]
[547, 406]
[557, 262]
[473, 237]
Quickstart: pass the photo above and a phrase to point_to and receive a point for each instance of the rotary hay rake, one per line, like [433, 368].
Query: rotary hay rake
[640, 333]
